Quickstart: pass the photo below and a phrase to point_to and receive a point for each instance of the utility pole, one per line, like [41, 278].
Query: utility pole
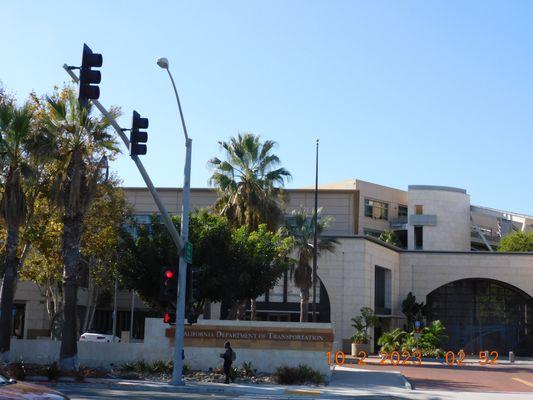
[179, 335]
[315, 239]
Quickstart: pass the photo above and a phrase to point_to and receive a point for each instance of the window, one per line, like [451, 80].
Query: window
[419, 209]
[382, 291]
[419, 238]
[376, 209]
[372, 232]
[402, 211]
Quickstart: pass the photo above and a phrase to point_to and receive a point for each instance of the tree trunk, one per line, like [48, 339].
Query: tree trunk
[304, 304]
[232, 314]
[72, 231]
[207, 310]
[253, 309]
[7, 292]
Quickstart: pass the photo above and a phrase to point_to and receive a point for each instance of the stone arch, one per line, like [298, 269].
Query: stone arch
[483, 314]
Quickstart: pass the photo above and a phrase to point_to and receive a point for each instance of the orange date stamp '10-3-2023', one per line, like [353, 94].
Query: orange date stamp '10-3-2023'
[396, 358]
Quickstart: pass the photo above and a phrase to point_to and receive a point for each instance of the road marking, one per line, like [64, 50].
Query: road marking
[302, 391]
[524, 382]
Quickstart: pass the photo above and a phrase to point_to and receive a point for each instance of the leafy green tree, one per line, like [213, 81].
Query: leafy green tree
[517, 242]
[249, 182]
[300, 227]
[81, 144]
[248, 263]
[389, 237]
[412, 310]
[16, 175]
[103, 223]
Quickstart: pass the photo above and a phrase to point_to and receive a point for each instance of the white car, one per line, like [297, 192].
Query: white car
[98, 337]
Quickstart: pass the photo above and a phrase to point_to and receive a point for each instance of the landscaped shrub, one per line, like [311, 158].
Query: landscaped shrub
[428, 343]
[17, 370]
[297, 375]
[52, 371]
[144, 367]
[247, 370]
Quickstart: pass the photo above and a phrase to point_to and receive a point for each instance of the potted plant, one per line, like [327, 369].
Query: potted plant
[362, 324]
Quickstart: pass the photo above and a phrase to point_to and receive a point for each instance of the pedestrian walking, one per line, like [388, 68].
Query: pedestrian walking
[228, 356]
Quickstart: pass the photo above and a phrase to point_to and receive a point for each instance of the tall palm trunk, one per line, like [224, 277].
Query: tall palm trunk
[7, 291]
[304, 304]
[72, 231]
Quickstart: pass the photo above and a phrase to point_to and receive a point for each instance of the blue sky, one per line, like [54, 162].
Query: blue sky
[399, 93]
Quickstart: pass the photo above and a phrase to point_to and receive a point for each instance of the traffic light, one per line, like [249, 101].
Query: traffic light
[169, 317]
[194, 276]
[88, 77]
[169, 284]
[137, 137]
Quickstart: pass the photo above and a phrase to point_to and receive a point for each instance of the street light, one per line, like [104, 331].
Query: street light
[182, 274]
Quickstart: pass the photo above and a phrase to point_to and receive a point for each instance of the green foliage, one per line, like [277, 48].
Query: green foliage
[393, 340]
[412, 310]
[517, 242]
[247, 369]
[146, 368]
[236, 264]
[362, 324]
[52, 371]
[428, 343]
[248, 181]
[300, 375]
[389, 237]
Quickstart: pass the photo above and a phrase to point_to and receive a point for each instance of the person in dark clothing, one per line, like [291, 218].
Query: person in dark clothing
[227, 356]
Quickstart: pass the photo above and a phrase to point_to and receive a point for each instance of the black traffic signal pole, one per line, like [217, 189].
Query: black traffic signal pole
[162, 210]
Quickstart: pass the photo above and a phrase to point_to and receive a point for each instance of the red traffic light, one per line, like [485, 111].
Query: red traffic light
[169, 274]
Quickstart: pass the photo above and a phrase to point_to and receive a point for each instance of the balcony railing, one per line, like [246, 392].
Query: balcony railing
[398, 222]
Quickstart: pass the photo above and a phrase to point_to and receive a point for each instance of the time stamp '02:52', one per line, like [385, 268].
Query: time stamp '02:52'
[407, 358]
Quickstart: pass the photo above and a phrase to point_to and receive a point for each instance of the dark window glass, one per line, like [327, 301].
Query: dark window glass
[419, 238]
[481, 314]
[376, 209]
[402, 211]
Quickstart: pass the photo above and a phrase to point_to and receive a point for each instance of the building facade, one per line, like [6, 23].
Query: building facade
[445, 255]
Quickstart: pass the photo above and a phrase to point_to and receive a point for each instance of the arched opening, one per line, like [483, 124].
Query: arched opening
[483, 314]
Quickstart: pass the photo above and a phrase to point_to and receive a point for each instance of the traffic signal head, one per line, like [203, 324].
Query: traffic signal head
[169, 284]
[88, 77]
[137, 137]
[194, 284]
[169, 317]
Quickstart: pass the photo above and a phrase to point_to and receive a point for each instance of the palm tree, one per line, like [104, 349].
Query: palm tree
[301, 226]
[16, 171]
[82, 146]
[248, 182]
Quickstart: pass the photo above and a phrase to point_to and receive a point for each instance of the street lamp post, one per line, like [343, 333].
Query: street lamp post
[315, 248]
[182, 274]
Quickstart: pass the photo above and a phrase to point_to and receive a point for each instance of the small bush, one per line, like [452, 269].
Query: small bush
[52, 371]
[247, 370]
[298, 375]
[17, 370]
[143, 367]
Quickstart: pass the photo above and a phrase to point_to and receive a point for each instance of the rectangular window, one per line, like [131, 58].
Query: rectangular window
[419, 209]
[376, 209]
[419, 238]
[382, 291]
[402, 211]
[372, 232]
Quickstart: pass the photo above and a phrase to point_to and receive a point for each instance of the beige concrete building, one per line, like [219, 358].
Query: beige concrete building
[444, 255]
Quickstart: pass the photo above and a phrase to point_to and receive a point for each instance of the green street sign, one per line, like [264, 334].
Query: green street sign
[187, 252]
